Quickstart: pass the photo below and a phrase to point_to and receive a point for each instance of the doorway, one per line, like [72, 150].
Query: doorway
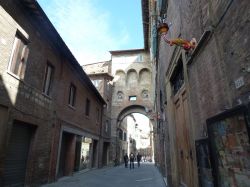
[105, 153]
[66, 163]
[78, 153]
[184, 151]
[15, 163]
[94, 154]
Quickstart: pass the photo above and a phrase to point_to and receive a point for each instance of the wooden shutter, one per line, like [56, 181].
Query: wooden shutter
[23, 62]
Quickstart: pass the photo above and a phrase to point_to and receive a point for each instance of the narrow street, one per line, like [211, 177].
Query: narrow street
[89, 84]
[145, 176]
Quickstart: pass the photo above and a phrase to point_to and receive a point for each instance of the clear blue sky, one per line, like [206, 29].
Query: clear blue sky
[91, 28]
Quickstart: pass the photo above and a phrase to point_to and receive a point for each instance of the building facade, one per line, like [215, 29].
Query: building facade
[132, 88]
[202, 95]
[100, 75]
[50, 111]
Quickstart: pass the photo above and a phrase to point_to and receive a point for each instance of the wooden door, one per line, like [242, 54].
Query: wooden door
[182, 138]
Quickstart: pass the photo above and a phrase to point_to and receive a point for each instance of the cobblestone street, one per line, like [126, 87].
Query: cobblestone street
[145, 176]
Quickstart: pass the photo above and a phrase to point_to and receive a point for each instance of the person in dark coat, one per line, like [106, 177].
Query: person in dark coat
[131, 159]
[138, 157]
[125, 157]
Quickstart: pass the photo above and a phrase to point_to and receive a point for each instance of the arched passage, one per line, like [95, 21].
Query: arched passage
[131, 109]
[142, 129]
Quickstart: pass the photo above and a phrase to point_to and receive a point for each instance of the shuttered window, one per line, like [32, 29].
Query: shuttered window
[19, 57]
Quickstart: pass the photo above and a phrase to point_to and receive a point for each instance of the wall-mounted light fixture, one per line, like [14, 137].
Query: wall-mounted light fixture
[163, 28]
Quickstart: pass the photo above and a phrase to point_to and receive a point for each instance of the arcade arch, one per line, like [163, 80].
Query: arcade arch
[134, 132]
[144, 76]
[132, 78]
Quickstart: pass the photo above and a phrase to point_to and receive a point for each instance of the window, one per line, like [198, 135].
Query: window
[48, 79]
[19, 57]
[139, 58]
[106, 126]
[87, 107]
[177, 79]
[132, 98]
[97, 115]
[96, 83]
[108, 87]
[72, 95]
[125, 136]
[120, 134]
[161, 101]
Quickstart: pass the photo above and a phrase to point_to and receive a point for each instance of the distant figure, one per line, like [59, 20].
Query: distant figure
[138, 159]
[131, 159]
[125, 157]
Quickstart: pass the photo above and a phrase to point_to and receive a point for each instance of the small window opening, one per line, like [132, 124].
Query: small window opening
[132, 98]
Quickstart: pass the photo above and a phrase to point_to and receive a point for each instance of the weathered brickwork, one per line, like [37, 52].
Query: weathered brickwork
[216, 75]
[132, 71]
[100, 75]
[25, 102]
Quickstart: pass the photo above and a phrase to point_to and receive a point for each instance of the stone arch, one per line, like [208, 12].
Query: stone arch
[125, 112]
[132, 77]
[120, 77]
[145, 76]
[131, 109]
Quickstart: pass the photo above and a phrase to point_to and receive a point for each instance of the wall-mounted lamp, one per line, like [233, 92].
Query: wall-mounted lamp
[163, 28]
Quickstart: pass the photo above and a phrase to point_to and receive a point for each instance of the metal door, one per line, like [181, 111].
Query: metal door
[17, 155]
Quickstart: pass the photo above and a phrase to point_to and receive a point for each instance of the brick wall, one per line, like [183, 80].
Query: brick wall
[211, 77]
[25, 99]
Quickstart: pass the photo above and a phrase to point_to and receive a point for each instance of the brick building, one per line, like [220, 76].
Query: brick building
[202, 95]
[51, 113]
[132, 91]
[100, 75]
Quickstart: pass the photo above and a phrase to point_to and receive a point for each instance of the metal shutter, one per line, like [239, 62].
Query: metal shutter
[17, 155]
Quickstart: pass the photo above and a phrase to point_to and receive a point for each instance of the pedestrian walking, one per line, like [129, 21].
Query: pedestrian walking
[131, 159]
[125, 157]
[138, 157]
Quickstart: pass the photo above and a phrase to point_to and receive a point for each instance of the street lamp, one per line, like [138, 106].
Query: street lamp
[163, 28]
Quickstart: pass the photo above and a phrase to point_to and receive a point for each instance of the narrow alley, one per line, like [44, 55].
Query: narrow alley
[88, 85]
[145, 176]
